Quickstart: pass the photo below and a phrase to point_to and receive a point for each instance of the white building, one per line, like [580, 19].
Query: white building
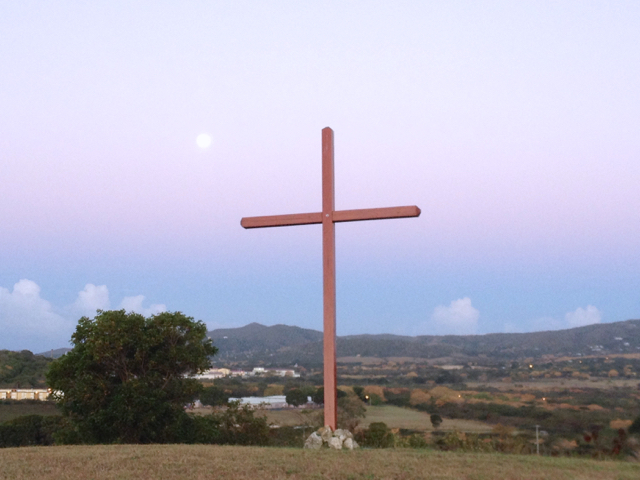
[274, 401]
[24, 393]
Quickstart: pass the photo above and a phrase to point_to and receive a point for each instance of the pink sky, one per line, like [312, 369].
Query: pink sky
[513, 126]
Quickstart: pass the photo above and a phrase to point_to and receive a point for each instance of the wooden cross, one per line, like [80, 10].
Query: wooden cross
[328, 217]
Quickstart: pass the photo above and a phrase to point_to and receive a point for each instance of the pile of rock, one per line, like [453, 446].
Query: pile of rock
[337, 440]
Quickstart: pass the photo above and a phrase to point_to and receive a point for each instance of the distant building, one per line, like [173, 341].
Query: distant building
[276, 372]
[274, 401]
[24, 393]
[214, 373]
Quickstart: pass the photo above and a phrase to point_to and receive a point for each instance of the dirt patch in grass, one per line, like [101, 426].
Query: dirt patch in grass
[168, 462]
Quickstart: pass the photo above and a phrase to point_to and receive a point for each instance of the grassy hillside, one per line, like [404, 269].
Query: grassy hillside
[239, 463]
[281, 344]
[22, 369]
[256, 339]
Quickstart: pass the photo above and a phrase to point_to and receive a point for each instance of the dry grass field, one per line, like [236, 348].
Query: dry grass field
[193, 462]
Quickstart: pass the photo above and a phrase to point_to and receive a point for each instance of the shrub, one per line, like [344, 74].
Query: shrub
[436, 420]
[350, 411]
[417, 441]
[29, 430]
[239, 426]
[378, 435]
[634, 428]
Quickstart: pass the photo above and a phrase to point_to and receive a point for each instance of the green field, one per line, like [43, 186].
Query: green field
[394, 417]
[166, 462]
[12, 409]
[397, 417]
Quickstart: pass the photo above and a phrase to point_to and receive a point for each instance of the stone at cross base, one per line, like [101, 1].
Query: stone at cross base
[328, 217]
[336, 440]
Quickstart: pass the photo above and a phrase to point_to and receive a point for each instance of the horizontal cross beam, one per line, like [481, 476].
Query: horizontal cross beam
[338, 216]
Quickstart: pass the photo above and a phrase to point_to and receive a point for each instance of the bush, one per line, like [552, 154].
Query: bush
[417, 441]
[239, 426]
[29, 430]
[378, 435]
[436, 420]
[236, 425]
[350, 411]
[634, 428]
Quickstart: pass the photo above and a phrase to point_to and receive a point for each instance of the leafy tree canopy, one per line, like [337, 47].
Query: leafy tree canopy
[126, 378]
[296, 397]
[436, 420]
[318, 396]
[214, 396]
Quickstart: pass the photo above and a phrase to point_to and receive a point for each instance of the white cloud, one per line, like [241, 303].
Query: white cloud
[134, 304]
[460, 317]
[92, 298]
[583, 316]
[28, 320]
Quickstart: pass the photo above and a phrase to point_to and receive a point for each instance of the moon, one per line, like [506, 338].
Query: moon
[203, 140]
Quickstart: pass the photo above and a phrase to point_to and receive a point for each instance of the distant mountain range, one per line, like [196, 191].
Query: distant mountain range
[287, 345]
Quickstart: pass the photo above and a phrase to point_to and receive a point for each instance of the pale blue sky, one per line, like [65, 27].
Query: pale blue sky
[513, 125]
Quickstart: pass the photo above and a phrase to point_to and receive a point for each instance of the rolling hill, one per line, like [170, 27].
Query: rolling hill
[282, 344]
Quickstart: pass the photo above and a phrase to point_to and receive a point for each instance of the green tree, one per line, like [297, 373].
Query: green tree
[214, 396]
[359, 391]
[127, 377]
[296, 397]
[350, 411]
[318, 396]
[436, 420]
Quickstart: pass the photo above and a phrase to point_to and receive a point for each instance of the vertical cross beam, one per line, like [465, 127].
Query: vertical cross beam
[328, 218]
[329, 281]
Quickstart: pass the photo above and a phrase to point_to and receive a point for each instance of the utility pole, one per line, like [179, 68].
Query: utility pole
[537, 441]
